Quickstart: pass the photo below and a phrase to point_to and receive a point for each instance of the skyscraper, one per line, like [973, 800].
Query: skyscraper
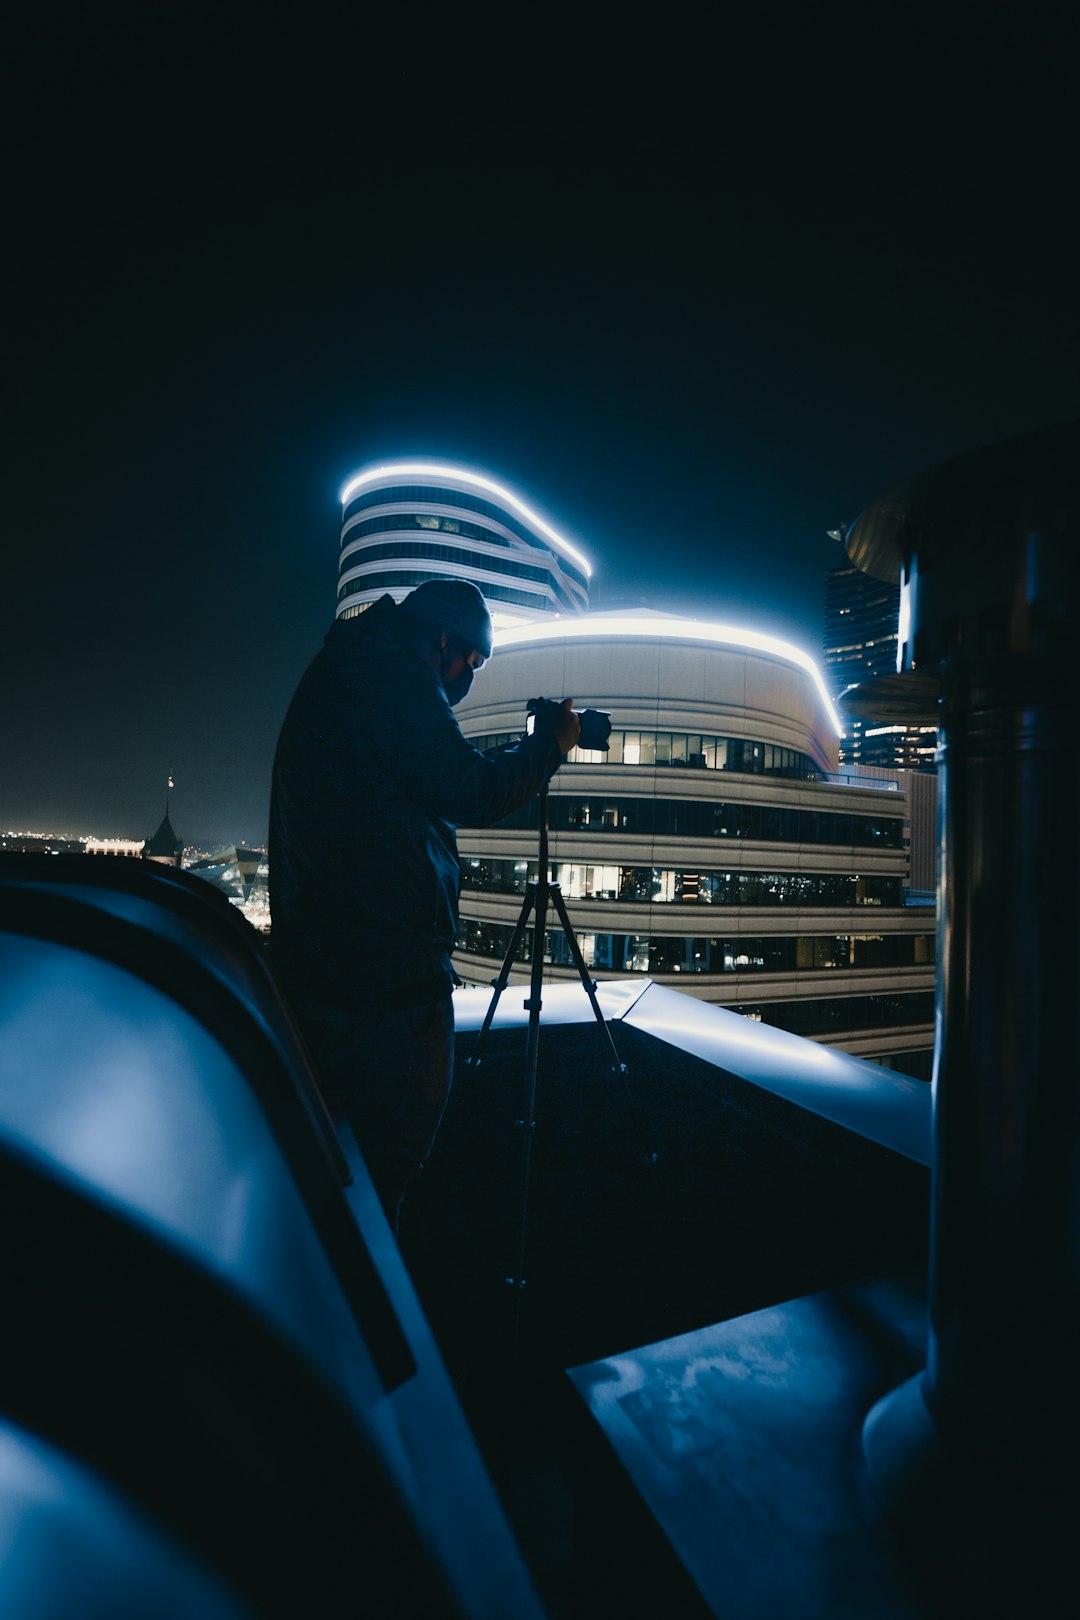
[859, 643]
[414, 521]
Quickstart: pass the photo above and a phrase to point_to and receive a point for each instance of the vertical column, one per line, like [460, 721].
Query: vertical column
[1003, 1362]
[976, 1460]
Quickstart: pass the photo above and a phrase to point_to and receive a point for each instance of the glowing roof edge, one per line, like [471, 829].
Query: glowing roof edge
[458, 475]
[661, 626]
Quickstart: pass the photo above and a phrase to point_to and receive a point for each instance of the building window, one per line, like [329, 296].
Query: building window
[697, 818]
[690, 751]
[718, 957]
[678, 886]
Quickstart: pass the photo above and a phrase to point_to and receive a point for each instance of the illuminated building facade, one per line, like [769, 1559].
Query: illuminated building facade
[707, 849]
[859, 642]
[414, 521]
[132, 848]
[243, 876]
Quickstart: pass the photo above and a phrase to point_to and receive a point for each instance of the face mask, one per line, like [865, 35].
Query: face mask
[457, 690]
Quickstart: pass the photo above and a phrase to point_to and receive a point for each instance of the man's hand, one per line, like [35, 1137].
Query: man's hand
[567, 726]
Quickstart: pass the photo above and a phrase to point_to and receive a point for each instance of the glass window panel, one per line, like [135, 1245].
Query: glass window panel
[630, 884]
[608, 882]
[663, 884]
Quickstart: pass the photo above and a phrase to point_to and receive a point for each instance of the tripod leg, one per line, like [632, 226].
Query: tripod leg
[503, 978]
[528, 1120]
[617, 1067]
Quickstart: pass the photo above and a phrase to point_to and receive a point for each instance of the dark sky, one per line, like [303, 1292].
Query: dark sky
[696, 297]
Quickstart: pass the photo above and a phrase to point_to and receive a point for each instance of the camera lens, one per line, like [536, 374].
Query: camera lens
[595, 729]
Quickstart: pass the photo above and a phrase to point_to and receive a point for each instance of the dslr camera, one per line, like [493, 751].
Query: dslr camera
[595, 723]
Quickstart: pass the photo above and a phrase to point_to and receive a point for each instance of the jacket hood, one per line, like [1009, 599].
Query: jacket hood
[380, 623]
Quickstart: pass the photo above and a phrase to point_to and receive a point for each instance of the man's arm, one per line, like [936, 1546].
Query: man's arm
[563, 728]
[454, 781]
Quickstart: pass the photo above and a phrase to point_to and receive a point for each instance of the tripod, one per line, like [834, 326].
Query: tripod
[538, 894]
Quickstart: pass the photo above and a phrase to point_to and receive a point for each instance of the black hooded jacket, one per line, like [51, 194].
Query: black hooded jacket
[371, 779]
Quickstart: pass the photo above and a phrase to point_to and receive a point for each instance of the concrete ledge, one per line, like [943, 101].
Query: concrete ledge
[877, 1103]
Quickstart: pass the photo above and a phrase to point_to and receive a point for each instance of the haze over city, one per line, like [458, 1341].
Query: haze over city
[696, 310]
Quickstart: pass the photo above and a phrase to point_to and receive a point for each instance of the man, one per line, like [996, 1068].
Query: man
[372, 776]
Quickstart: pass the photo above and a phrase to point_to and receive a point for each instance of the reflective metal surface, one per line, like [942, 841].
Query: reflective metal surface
[200, 1306]
[988, 549]
[1005, 1279]
[984, 550]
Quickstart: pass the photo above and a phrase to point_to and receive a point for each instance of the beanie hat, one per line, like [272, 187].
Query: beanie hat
[453, 604]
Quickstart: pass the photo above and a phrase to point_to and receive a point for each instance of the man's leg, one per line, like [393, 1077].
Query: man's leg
[391, 1077]
[398, 1150]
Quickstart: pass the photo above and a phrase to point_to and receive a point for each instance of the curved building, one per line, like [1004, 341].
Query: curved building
[414, 521]
[707, 849]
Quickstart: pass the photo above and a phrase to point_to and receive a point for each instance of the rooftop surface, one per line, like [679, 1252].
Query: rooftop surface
[677, 1196]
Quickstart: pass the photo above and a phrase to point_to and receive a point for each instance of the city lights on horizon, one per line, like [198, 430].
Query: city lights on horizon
[59, 837]
[98, 840]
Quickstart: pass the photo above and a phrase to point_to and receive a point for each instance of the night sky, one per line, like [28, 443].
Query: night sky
[696, 296]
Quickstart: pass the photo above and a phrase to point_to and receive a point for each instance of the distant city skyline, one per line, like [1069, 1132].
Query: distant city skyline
[11, 835]
[236, 869]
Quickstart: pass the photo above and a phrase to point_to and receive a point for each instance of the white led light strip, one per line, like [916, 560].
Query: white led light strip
[457, 475]
[669, 626]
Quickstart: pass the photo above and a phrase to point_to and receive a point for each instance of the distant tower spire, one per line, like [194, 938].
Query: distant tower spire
[164, 847]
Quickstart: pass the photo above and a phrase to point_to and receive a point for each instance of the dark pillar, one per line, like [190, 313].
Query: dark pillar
[977, 1461]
